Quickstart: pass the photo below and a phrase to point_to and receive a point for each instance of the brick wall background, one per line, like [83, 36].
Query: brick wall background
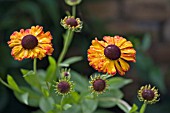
[134, 17]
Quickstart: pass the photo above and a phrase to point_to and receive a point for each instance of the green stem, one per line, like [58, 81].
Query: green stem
[35, 65]
[74, 10]
[66, 45]
[142, 109]
[61, 103]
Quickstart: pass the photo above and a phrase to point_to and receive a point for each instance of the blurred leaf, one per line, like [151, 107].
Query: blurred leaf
[134, 109]
[38, 111]
[4, 97]
[157, 78]
[51, 7]
[33, 97]
[109, 99]
[123, 107]
[51, 70]
[76, 108]
[32, 9]
[72, 60]
[46, 104]
[89, 105]
[118, 82]
[67, 106]
[146, 42]
[31, 78]
[13, 84]
[45, 92]
[103, 111]
[81, 83]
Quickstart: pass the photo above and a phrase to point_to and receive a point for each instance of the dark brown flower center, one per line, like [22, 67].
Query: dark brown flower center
[148, 94]
[72, 22]
[112, 52]
[99, 85]
[63, 87]
[66, 74]
[29, 42]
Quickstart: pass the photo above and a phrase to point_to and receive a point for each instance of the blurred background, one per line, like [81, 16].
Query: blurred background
[145, 22]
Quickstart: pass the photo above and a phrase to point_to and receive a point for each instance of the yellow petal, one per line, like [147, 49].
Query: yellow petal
[127, 44]
[111, 68]
[125, 66]
[119, 69]
[128, 50]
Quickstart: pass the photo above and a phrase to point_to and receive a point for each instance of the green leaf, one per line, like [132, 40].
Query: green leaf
[45, 92]
[118, 82]
[89, 105]
[67, 106]
[134, 109]
[28, 97]
[51, 70]
[72, 60]
[31, 78]
[13, 84]
[146, 42]
[46, 104]
[81, 83]
[123, 107]
[109, 98]
[76, 108]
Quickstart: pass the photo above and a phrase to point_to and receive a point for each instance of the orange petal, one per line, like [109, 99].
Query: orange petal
[126, 45]
[109, 39]
[119, 69]
[125, 66]
[128, 58]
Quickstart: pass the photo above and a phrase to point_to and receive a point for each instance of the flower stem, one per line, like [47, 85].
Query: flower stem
[61, 103]
[35, 65]
[142, 109]
[74, 10]
[66, 45]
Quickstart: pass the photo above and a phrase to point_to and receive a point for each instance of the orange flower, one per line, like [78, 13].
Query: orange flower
[30, 43]
[110, 55]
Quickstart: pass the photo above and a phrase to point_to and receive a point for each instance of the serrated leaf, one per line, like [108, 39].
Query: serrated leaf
[118, 82]
[46, 104]
[109, 98]
[89, 105]
[51, 70]
[72, 60]
[13, 84]
[81, 83]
